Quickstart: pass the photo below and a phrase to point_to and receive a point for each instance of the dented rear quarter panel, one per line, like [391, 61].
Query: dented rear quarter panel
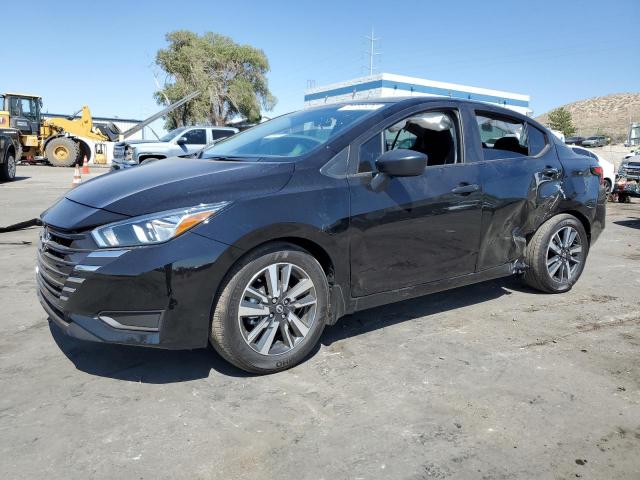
[519, 198]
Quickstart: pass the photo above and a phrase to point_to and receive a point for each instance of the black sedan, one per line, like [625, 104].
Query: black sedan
[284, 228]
[574, 140]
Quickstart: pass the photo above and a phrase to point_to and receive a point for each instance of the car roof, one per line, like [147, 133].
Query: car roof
[412, 100]
[407, 101]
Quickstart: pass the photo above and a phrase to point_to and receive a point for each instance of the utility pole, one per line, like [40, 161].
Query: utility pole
[371, 52]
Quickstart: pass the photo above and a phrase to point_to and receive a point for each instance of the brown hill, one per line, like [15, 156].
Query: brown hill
[609, 115]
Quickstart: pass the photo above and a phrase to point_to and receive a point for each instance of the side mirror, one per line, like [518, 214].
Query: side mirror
[182, 141]
[398, 163]
[401, 163]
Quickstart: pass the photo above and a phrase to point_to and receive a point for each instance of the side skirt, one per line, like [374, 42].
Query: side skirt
[383, 298]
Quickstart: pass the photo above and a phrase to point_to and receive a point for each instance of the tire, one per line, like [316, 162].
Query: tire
[608, 187]
[62, 152]
[279, 341]
[547, 267]
[8, 168]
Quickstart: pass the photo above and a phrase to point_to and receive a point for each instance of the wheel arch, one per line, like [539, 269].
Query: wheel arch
[582, 218]
[146, 156]
[316, 250]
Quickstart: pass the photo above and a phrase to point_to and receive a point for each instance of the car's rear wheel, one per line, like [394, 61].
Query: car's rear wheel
[272, 310]
[607, 186]
[8, 168]
[556, 254]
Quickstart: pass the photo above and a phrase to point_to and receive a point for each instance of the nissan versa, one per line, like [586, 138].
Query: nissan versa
[280, 230]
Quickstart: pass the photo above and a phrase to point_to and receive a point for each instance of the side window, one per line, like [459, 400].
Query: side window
[501, 137]
[196, 137]
[537, 140]
[14, 106]
[369, 152]
[218, 134]
[432, 133]
[25, 105]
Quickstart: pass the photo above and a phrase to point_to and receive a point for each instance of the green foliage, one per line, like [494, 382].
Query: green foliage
[230, 77]
[560, 119]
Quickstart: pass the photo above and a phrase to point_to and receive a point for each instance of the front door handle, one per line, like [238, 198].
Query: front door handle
[466, 189]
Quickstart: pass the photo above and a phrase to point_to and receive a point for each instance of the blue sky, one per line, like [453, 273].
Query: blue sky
[102, 54]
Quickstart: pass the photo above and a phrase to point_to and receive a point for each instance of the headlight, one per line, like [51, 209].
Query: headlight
[155, 228]
[128, 153]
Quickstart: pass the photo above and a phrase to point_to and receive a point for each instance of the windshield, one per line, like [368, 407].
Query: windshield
[172, 134]
[292, 135]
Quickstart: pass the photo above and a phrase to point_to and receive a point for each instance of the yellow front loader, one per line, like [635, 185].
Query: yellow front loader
[66, 141]
[62, 141]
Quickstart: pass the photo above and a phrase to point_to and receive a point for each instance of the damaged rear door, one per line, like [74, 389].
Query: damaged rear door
[521, 179]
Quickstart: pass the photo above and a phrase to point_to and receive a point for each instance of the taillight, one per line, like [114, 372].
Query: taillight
[598, 171]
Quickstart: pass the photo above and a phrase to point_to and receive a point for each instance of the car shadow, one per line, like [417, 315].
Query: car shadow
[15, 179]
[631, 222]
[156, 366]
[140, 364]
[425, 306]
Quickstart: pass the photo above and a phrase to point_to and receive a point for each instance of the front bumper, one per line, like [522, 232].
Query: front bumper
[159, 296]
[120, 164]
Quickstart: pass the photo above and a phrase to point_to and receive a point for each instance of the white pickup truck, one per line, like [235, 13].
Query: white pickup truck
[179, 142]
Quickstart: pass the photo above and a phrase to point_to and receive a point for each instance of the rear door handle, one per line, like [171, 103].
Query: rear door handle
[466, 189]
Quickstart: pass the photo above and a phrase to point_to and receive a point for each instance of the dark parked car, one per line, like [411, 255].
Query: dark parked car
[574, 140]
[10, 152]
[284, 228]
[595, 141]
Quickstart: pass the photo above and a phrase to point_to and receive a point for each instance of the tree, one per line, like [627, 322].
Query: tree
[230, 77]
[560, 119]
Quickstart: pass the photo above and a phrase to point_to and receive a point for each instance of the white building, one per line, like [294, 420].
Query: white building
[391, 85]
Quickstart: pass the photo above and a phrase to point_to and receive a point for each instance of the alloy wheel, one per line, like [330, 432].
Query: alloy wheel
[564, 254]
[11, 166]
[277, 309]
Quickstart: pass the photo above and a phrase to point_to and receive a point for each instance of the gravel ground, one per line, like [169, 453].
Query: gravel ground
[491, 381]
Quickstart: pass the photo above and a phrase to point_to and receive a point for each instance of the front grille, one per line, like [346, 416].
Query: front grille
[58, 254]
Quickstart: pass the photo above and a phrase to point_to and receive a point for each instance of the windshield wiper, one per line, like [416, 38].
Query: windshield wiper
[225, 158]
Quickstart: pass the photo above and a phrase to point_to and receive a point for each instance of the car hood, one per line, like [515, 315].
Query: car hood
[141, 141]
[179, 182]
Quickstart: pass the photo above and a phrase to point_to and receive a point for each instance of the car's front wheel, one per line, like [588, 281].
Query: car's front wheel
[272, 309]
[556, 254]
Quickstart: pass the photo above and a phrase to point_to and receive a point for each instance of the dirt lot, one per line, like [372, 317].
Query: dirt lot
[491, 381]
